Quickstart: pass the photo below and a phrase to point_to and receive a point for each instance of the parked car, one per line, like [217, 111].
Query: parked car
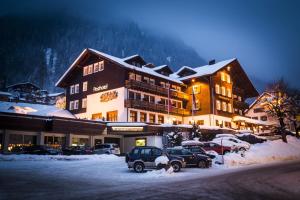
[198, 149]
[41, 150]
[77, 150]
[234, 143]
[107, 148]
[191, 159]
[212, 146]
[141, 158]
[225, 135]
[251, 138]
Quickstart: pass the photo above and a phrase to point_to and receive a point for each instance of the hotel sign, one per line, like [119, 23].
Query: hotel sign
[108, 96]
[129, 129]
[100, 88]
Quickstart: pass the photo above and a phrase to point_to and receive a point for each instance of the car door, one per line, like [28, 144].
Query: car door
[155, 152]
[188, 157]
[146, 157]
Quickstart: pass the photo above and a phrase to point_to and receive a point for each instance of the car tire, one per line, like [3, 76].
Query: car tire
[176, 166]
[139, 167]
[201, 164]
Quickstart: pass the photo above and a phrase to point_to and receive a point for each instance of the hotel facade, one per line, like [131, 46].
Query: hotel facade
[99, 86]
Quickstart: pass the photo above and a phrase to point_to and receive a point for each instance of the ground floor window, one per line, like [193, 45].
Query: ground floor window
[140, 142]
[98, 141]
[55, 141]
[152, 118]
[200, 122]
[143, 117]
[228, 124]
[18, 140]
[133, 116]
[79, 141]
[96, 116]
[112, 116]
[160, 119]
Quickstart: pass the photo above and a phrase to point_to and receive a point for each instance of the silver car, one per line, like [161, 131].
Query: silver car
[107, 148]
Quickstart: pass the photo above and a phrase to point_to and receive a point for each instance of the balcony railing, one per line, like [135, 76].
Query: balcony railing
[133, 84]
[145, 105]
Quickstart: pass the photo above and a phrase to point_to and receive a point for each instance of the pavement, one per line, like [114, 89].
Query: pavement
[273, 181]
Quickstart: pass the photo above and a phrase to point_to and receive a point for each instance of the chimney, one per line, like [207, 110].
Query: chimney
[212, 62]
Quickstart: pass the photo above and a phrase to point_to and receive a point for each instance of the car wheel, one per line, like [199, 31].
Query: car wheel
[225, 152]
[138, 167]
[201, 164]
[176, 166]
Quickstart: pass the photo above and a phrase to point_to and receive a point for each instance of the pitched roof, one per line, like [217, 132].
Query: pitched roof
[257, 100]
[207, 69]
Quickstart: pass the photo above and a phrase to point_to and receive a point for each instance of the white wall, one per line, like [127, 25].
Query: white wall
[129, 142]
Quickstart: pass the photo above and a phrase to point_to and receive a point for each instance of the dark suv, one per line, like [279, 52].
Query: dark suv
[141, 158]
[191, 159]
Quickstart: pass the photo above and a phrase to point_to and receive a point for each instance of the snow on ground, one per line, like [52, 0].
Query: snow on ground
[266, 152]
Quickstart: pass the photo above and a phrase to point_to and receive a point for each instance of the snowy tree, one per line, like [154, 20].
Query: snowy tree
[196, 133]
[278, 104]
[294, 111]
[174, 138]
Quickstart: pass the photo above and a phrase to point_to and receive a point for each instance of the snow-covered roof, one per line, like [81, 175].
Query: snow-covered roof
[249, 120]
[175, 74]
[34, 109]
[23, 84]
[257, 100]
[205, 70]
[122, 63]
[5, 93]
[130, 57]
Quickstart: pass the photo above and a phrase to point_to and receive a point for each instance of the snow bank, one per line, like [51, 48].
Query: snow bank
[266, 152]
[164, 160]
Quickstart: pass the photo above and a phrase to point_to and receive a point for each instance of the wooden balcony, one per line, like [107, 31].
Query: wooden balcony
[154, 89]
[144, 105]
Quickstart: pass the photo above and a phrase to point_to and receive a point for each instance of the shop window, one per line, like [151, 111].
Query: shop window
[217, 123]
[200, 122]
[98, 142]
[133, 116]
[218, 105]
[143, 117]
[112, 116]
[80, 141]
[96, 116]
[152, 118]
[84, 86]
[160, 119]
[55, 141]
[140, 142]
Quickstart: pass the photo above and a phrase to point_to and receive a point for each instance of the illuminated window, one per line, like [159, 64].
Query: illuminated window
[228, 92]
[218, 105]
[228, 78]
[217, 87]
[160, 119]
[97, 116]
[223, 91]
[90, 69]
[223, 78]
[101, 66]
[133, 116]
[179, 104]
[96, 67]
[224, 106]
[85, 71]
[84, 86]
[200, 122]
[152, 118]
[112, 116]
[229, 107]
[140, 142]
[196, 89]
[143, 117]
[163, 84]
[71, 106]
[84, 103]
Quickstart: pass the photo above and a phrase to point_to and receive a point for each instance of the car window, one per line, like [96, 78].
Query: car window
[102, 146]
[212, 145]
[206, 145]
[146, 152]
[186, 152]
[156, 152]
[135, 151]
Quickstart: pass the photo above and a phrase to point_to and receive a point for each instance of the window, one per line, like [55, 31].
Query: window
[223, 91]
[72, 89]
[77, 88]
[138, 96]
[160, 119]
[156, 152]
[152, 99]
[167, 85]
[145, 152]
[217, 89]
[133, 116]
[163, 84]
[178, 88]
[131, 95]
[228, 124]
[71, 106]
[101, 66]
[76, 104]
[224, 106]
[112, 116]
[131, 76]
[84, 86]
[228, 78]
[263, 118]
[258, 110]
[152, 118]
[146, 79]
[217, 123]
[97, 116]
[200, 122]
[255, 118]
[218, 105]
[146, 98]
[228, 92]
[143, 117]
[229, 107]
[140, 142]
[85, 71]
[84, 103]
[223, 76]
[138, 77]
[239, 98]
[179, 104]
[152, 81]
[96, 67]
[196, 89]
[90, 69]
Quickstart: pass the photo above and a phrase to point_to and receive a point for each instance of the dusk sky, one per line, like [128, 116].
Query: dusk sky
[263, 35]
